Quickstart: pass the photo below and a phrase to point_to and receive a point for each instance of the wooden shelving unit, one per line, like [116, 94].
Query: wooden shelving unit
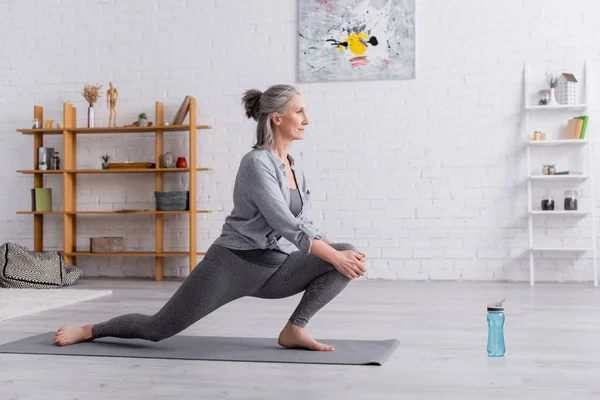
[70, 172]
[110, 171]
[117, 212]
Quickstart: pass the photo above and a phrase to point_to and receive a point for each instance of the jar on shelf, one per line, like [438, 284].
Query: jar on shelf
[570, 200]
[549, 169]
[539, 135]
[548, 203]
[544, 97]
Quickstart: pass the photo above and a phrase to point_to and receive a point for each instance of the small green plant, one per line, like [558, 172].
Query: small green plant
[142, 116]
[105, 158]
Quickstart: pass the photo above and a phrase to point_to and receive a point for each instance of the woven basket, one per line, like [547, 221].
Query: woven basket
[175, 200]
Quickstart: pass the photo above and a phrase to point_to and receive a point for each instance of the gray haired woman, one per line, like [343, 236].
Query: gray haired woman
[268, 248]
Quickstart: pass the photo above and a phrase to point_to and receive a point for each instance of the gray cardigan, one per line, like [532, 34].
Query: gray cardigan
[261, 216]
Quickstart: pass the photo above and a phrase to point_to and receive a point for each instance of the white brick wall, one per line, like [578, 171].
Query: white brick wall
[425, 175]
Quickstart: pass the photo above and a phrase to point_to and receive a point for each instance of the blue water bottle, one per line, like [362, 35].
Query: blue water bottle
[495, 320]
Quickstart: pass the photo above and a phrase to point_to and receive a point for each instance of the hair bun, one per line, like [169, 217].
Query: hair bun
[251, 101]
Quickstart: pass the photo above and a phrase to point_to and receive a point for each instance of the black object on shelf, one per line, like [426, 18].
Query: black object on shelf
[570, 203]
[548, 203]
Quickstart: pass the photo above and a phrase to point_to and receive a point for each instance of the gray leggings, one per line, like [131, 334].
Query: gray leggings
[222, 277]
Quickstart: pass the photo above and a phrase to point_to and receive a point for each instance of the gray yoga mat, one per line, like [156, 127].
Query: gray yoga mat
[217, 348]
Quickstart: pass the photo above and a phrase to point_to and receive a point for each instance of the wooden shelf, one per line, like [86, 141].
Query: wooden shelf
[140, 212]
[41, 212]
[131, 170]
[108, 171]
[131, 254]
[41, 130]
[118, 129]
[38, 171]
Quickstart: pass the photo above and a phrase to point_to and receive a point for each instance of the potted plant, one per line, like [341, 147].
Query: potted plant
[142, 119]
[43, 166]
[105, 159]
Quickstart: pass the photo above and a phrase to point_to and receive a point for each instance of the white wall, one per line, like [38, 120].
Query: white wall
[424, 175]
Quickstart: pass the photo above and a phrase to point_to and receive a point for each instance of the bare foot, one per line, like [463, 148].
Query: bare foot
[292, 336]
[67, 335]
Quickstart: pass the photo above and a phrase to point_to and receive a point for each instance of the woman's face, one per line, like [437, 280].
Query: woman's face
[291, 124]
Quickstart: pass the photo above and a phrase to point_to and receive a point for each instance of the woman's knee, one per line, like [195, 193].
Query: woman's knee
[344, 246]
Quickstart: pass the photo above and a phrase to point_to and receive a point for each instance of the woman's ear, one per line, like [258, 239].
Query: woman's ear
[276, 118]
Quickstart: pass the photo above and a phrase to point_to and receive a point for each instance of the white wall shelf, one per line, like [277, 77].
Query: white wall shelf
[561, 213]
[559, 142]
[558, 107]
[570, 145]
[562, 249]
[559, 177]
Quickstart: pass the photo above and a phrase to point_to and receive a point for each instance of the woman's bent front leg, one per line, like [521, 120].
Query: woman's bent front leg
[321, 283]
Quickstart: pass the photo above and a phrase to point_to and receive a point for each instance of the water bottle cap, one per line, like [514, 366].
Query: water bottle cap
[497, 306]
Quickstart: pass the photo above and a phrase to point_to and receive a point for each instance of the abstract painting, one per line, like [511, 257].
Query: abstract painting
[348, 40]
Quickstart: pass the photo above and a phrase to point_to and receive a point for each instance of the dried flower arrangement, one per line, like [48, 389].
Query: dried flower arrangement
[91, 93]
[551, 80]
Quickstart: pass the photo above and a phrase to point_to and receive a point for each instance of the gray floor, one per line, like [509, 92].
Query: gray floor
[552, 333]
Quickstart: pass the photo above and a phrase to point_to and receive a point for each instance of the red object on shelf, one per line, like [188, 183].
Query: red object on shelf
[181, 163]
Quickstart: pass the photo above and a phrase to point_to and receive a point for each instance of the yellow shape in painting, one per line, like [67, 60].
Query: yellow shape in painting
[354, 43]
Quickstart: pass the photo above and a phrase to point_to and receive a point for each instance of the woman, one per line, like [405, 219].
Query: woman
[268, 247]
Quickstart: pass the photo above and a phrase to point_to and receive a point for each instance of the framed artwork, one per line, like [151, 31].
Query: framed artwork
[350, 40]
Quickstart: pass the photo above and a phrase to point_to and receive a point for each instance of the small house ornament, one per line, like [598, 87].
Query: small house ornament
[567, 89]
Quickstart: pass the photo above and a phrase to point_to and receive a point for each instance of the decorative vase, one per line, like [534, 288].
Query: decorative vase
[552, 100]
[549, 169]
[104, 165]
[168, 160]
[142, 122]
[181, 163]
[91, 116]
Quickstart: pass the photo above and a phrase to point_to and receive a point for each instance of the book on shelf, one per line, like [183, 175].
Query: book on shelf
[584, 118]
[41, 199]
[576, 127]
[182, 112]
[568, 173]
[129, 165]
